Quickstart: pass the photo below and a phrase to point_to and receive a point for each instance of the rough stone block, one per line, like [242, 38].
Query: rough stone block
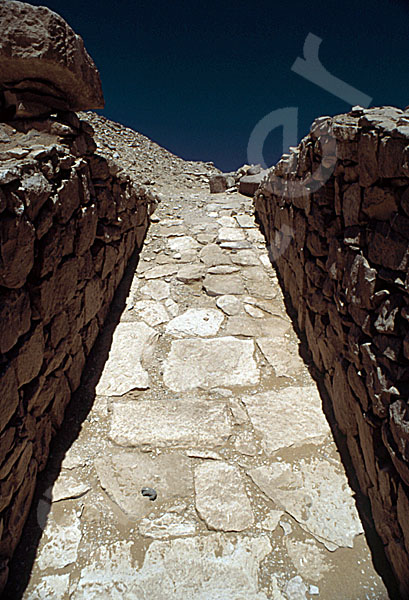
[47, 49]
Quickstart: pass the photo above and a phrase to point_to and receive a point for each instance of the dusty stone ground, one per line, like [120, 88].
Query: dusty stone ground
[204, 398]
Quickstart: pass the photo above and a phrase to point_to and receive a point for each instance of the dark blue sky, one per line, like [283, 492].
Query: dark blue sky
[197, 77]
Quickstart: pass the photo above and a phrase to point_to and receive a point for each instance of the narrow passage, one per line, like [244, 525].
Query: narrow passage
[205, 400]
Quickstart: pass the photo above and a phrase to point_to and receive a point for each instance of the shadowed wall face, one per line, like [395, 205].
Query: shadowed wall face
[69, 225]
[336, 216]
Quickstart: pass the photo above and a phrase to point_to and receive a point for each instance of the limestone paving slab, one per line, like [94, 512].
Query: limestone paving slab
[203, 322]
[215, 567]
[287, 416]
[282, 356]
[219, 285]
[170, 423]
[221, 500]
[212, 255]
[150, 311]
[229, 304]
[207, 363]
[316, 493]
[155, 289]
[132, 345]
[123, 474]
[181, 244]
[63, 538]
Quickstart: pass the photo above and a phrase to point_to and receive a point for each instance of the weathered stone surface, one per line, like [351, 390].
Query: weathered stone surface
[153, 313]
[48, 50]
[351, 204]
[281, 355]
[220, 183]
[379, 203]
[250, 183]
[288, 416]
[57, 585]
[30, 357]
[220, 285]
[273, 326]
[132, 345]
[230, 234]
[64, 538]
[245, 221]
[214, 566]
[182, 244]
[223, 270]
[316, 493]
[15, 314]
[245, 258]
[223, 361]
[308, 558]
[68, 486]
[161, 271]
[8, 394]
[190, 273]
[203, 322]
[170, 524]
[170, 423]
[16, 250]
[123, 475]
[221, 500]
[229, 304]
[257, 282]
[157, 290]
[212, 255]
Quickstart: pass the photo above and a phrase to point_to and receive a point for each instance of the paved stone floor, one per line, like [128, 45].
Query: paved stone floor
[205, 399]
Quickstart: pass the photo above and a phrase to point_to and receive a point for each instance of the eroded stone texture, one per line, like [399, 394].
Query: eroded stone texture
[170, 423]
[204, 322]
[223, 361]
[132, 345]
[168, 525]
[199, 567]
[153, 313]
[64, 538]
[282, 356]
[316, 493]
[48, 50]
[287, 416]
[221, 500]
[123, 475]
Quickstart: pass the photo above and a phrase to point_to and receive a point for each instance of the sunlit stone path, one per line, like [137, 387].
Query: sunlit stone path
[204, 399]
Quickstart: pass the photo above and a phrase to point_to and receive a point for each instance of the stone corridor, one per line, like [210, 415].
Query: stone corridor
[205, 399]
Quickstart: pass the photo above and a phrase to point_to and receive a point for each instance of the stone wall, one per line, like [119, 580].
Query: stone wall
[335, 212]
[69, 222]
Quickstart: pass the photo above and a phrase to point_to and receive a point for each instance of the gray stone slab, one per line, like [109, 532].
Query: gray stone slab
[212, 567]
[203, 322]
[123, 474]
[150, 311]
[157, 290]
[221, 500]
[213, 255]
[287, 416]
[132, 345]
[202, 363]
[219, 285]
[170, 423]
[315, 493]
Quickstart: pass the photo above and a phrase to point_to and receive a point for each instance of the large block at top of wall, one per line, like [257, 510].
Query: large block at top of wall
[335, 212]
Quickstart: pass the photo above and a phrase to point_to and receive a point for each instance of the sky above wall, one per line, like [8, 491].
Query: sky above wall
[198, 77]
